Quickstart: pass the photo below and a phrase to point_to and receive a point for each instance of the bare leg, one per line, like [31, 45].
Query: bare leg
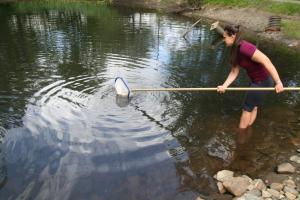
[248, 118]
[253, 115]
[245, 119]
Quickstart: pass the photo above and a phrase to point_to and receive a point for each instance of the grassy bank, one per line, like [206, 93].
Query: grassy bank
[265, 5]
[290, 28]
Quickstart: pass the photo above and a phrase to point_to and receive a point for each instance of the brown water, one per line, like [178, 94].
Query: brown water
[69, 137]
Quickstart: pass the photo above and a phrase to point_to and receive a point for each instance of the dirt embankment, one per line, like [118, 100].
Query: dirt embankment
[253, 20]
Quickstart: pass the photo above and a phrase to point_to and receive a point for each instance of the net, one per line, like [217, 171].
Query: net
[121, 87]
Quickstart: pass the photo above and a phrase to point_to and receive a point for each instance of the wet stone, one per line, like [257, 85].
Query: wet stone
[285, 168]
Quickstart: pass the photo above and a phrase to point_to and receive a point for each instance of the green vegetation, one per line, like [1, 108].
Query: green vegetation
[291, 29]
[266, 5]
[91, 8]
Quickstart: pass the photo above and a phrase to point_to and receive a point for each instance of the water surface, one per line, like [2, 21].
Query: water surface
[68, 135]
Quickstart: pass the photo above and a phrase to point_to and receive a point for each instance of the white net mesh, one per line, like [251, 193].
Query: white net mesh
[122, 87]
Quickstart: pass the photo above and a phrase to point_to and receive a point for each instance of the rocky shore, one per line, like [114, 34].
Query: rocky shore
[243, 187]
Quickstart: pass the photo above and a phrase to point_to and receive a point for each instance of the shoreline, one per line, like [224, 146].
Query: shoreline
[252, 20]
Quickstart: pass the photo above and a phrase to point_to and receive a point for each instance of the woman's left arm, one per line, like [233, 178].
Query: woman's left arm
[260, 57]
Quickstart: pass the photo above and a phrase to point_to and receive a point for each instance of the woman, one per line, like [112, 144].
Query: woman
[259, 68]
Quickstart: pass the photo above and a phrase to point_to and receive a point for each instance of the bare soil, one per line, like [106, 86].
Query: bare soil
[253, 20]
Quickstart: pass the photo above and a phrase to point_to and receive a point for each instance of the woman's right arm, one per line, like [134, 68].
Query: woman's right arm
[231, 77]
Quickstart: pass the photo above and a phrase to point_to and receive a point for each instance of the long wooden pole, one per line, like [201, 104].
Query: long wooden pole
[214, 89]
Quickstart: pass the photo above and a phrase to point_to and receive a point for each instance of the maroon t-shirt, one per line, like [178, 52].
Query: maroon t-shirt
[256, 71]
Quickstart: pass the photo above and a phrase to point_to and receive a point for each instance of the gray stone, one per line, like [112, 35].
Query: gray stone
[298, 150]
[252, 197]
[290, 190]
[254, 192]
[236, 185]
[285, 168]
[248, 196]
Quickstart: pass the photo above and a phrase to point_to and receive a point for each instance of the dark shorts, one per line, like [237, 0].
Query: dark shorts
[255, 98]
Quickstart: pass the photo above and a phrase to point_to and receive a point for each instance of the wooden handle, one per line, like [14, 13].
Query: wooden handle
[214, 89]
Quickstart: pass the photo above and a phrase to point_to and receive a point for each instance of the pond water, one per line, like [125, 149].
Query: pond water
[68, 136]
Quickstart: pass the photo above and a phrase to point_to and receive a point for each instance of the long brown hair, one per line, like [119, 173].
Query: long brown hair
[234, 30]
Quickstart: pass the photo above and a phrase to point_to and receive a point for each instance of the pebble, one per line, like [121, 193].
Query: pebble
[276, 186]
[290, 196]
[295, 159]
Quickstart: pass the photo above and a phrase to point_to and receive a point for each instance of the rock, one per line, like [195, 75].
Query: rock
[259, 184]
[236, 185]
[199, 198]
[274, 177]
[290, 190]
[298, 188]
[295, 159]
[248, 196]
[298, 150]
[224, 175]
[276, 186]
[294, 44]
[247, 177]
[266, 194]
[254, 192]
[290, 196]
[285, 168]
[274, 193]
[289, 183]
[221, 188]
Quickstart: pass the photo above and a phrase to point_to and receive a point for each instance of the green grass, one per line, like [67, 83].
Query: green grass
[291, 29]
[91, 8]
[238, 3]
[266, 5]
